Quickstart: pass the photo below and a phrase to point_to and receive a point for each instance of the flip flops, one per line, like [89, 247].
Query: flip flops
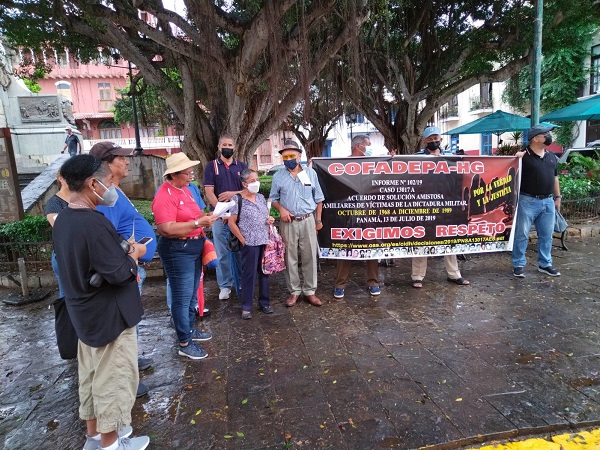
[417, 284]
[460, 281]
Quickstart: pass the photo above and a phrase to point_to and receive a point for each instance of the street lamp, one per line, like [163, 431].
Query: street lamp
[136, 127]
[351, 120]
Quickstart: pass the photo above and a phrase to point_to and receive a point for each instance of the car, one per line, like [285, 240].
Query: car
[274, 169]
[595, 143]
[589, 152]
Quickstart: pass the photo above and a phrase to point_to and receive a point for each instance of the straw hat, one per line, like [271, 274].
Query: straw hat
[178, 162]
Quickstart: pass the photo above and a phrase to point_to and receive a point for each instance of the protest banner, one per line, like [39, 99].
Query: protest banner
[405, 206]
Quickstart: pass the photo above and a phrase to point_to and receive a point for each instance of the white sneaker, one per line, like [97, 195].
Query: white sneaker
[93, 444]
[136, 443]
[224, 293]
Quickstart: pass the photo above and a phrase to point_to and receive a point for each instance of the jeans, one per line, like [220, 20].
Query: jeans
[226, 259]
[182, 261]
[61, 293]
[142, 278]
[251, 271]
[541, 213]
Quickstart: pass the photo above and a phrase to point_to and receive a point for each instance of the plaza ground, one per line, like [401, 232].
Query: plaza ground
[445, 366]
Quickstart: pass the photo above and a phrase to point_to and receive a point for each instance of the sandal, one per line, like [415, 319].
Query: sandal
[460, 281]
[246, 315]
[417, 284]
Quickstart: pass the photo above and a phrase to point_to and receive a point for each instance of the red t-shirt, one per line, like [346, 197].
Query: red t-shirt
[171, 204]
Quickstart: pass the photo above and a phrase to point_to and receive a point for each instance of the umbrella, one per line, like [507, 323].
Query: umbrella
[498, 122]
[588, 109]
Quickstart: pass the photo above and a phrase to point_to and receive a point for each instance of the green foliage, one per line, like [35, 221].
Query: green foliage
[30, 229]
[563, 68]
[507, 149]
[576, 188]
[145, 209]
[265, 185]
[32, 86]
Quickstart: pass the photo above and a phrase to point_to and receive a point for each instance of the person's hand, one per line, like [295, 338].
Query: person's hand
[208, 220]
[243, 241]
[319, 225]
[557, 203]
[270, 220]
[285, 215]
[63, 151]
[137, 250]
[226, 196]
[519, 154]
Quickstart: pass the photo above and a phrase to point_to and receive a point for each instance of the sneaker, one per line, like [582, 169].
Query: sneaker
[142, 390]
[144, 363]
[136, 443]
[549, 271]
[224, 293]
[519, 272]
[192, 351]
[93, 444]
[338, 293]
[374, 290]
[200, 336]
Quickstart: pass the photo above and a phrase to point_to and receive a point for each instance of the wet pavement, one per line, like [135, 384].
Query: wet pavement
[444, 366]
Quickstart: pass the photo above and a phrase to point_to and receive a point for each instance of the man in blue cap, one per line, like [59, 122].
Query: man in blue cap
[539, 195]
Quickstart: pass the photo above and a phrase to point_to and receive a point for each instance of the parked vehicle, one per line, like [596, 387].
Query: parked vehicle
[274, 169]
[589, 152]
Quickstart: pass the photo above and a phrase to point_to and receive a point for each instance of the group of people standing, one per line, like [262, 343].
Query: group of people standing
[97, 232]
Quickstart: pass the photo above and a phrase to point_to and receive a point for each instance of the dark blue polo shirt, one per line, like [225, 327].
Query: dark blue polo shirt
[223, 178]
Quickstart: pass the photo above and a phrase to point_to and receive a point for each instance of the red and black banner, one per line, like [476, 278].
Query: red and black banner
[418, 205]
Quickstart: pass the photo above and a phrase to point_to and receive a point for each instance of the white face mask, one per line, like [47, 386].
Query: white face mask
[254, 187]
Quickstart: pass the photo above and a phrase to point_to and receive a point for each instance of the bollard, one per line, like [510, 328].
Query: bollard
[23, 274]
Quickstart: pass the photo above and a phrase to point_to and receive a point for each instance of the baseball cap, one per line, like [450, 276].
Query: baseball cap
[537, 130]
[103, 149]
[290, 144]
[429, 131]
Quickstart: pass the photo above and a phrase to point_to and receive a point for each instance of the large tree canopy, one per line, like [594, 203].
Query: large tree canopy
[415, 56]
[243, 65]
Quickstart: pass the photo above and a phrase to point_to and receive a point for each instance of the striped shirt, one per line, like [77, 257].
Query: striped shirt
[294, 195]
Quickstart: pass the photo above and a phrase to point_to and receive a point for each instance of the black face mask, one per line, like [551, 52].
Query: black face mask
[227, 152]
[547, 140]
[433, 146]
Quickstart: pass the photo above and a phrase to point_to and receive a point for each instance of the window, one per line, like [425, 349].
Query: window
[485, 95]
[104, 91]
[265, 158]
[109, 130]
[151, 131]
[486, 143]
[595, 70]
[64, 88]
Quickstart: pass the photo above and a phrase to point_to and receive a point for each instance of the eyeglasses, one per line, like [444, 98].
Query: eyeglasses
[187, 174]
[288, 157]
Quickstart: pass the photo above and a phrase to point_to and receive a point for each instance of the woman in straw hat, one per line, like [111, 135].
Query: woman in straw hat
[180, 220]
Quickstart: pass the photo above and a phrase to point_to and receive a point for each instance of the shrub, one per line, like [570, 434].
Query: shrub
[30, 229]
[145, 209]
[572, 188]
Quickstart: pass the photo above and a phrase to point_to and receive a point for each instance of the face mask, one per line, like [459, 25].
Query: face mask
[368, 151]
[433, 146]
[254, 187]
[547, 140]
[110, 196]
[227, 152]
[290, 164]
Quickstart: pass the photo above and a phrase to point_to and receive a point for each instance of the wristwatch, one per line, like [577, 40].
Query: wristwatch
[196, 224]
[318, 221]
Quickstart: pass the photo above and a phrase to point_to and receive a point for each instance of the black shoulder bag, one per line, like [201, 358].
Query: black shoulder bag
[234, 243]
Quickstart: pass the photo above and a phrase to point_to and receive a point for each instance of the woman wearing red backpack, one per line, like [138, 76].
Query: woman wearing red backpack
[249, 222]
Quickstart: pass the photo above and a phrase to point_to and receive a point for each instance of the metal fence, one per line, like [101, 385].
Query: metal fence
[37, 256]
[580, 210]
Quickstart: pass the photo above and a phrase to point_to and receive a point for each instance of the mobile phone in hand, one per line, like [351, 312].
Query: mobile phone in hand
[145, 240]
